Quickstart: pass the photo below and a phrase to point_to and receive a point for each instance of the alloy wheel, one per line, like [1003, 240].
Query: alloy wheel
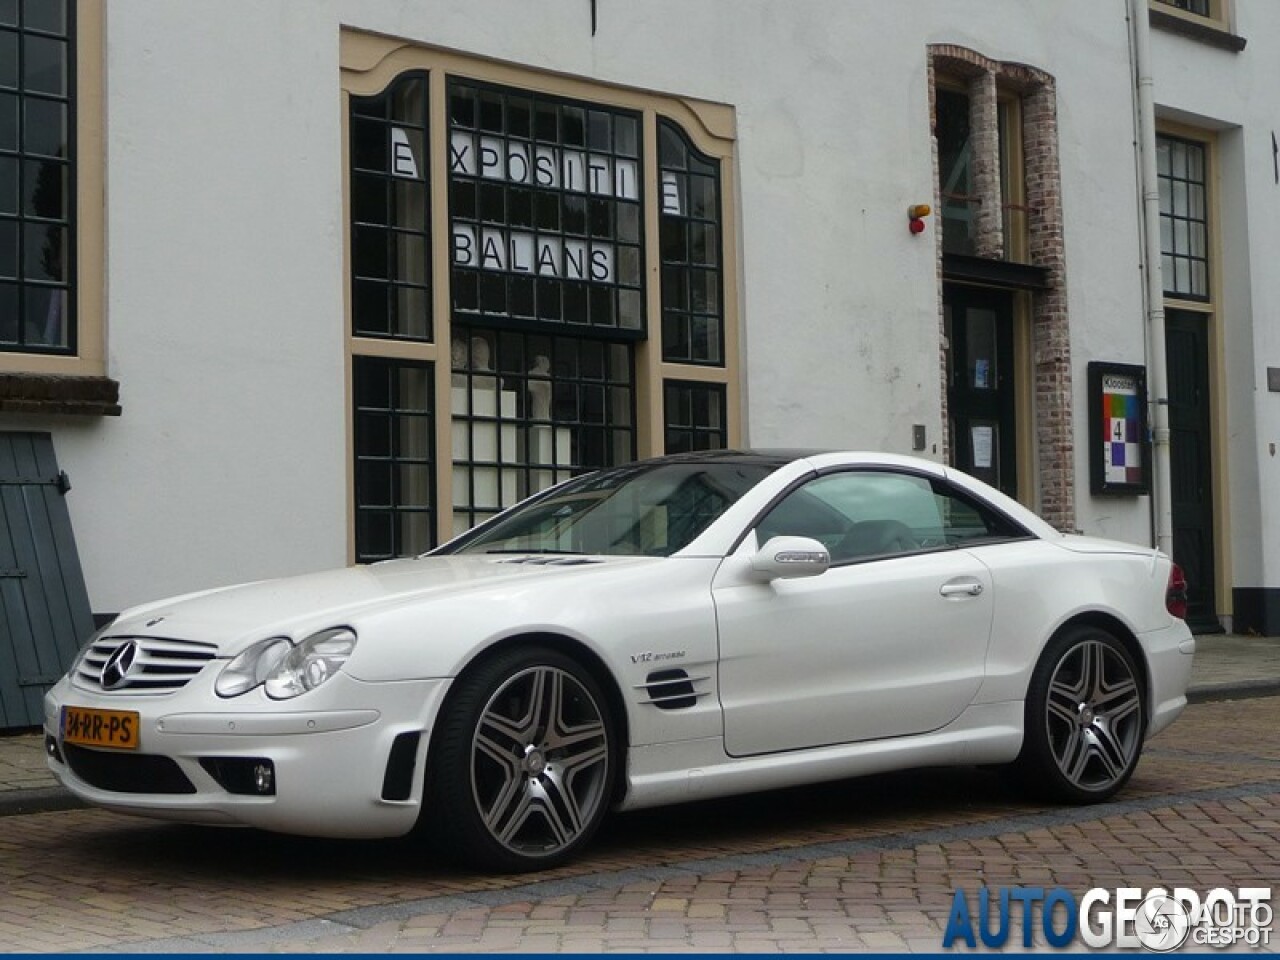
[539, 761]
[1093, 715]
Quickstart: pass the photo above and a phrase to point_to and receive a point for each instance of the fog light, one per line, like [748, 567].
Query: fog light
[264, 778]
[243, 776]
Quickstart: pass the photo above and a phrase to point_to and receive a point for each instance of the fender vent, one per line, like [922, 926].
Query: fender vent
[672, 689]
[397, 783]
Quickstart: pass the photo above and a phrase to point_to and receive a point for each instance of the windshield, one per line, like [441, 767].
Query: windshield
[641, 510]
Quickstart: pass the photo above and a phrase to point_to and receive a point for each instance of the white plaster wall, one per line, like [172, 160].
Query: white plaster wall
[226, 225]
[1100, 205]
[224, 305]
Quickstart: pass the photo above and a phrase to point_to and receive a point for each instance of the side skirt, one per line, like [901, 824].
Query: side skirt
[689, 770]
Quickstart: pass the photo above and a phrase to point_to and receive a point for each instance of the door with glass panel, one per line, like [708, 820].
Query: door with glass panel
[980, 384]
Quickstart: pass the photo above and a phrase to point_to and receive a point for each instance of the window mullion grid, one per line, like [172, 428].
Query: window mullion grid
[58, 335]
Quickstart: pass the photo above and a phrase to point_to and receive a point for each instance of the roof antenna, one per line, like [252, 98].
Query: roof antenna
[593, 25]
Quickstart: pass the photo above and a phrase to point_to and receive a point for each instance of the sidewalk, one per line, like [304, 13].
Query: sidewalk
[1226, 667]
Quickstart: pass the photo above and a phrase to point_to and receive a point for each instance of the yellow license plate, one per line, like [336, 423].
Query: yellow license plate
[101, 728]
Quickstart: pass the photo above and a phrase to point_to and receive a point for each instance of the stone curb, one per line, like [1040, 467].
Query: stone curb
[49, 799]
[37, 800]
[1233, 690]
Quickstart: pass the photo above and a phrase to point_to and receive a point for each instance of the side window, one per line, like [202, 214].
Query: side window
[966, 523]
[860, 515]
[867, 514]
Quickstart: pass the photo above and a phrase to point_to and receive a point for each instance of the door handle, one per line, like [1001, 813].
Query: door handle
[963, 588]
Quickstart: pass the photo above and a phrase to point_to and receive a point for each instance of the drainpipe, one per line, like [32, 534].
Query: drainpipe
[1149, 191]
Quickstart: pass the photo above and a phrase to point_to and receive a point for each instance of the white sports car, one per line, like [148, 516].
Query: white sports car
[669, 630]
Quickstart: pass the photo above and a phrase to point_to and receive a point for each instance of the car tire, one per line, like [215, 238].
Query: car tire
[522, 764]
[1086, 717]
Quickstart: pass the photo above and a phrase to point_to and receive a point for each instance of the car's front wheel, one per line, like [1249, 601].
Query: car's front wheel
[522, 762]
[1085, 717]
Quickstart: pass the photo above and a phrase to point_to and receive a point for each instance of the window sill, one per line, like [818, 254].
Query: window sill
[54, 394]
[1209, 32]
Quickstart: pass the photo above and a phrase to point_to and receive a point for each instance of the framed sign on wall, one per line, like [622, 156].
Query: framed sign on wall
[1119, 447]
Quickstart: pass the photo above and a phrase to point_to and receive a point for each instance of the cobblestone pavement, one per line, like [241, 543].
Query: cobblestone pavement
[867, 864]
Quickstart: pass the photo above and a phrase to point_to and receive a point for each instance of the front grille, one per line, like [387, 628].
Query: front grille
[159, 665]
[126, 772]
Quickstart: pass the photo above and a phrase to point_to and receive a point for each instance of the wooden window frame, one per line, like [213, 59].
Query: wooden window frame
[1219, 15]
[88, 225]
[369, 63]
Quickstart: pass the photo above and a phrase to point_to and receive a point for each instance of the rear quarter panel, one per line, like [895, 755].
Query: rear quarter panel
[1040, 585]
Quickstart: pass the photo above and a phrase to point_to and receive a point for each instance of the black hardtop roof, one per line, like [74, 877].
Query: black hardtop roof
[774, 457]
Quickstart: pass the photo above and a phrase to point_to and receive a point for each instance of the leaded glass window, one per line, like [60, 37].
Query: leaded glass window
[545, 208]
[394, 466]
[692, 271]
[955, 170]
[390, 213]
[695, 416]
[531, 410]
[37, 236]
[1184, 218]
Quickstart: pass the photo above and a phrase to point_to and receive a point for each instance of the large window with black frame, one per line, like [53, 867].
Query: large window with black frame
[695, 416]
[545, 213]
[393, 432]
[37, 240]
[692, 279]
[394, 468]
[1184, 217]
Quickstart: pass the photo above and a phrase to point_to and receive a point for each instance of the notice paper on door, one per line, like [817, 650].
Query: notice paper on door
[982, 441]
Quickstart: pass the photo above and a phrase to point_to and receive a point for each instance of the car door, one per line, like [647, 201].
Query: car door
[889, 641]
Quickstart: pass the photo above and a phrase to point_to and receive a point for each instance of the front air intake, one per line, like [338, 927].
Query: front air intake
[397, 782]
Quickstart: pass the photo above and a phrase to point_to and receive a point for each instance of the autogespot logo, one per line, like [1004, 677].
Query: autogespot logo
[1158, 920]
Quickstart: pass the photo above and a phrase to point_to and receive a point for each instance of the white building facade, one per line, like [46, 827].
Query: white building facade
[299, 284]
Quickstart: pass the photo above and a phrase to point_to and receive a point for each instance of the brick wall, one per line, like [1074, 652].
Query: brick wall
[984, 78]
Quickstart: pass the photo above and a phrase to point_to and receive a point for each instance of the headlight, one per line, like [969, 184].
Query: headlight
[252, 667]
[311, 663]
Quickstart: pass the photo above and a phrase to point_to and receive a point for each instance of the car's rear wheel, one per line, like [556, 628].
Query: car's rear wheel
[522, 762]
[1085, 717]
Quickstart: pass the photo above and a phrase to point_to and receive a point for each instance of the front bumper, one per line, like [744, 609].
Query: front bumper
[332, 754]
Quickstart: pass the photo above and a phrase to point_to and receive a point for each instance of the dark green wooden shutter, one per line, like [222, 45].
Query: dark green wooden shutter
[45, 607]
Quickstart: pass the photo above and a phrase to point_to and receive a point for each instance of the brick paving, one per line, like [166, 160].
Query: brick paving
[868, 864]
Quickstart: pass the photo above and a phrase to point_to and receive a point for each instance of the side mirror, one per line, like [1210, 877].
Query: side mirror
[786, 558]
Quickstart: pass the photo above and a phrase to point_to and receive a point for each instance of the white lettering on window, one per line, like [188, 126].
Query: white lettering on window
[403, 163]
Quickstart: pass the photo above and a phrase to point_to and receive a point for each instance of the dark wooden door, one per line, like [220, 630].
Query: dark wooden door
[980, 394]
[1191, 473]
[44, 607]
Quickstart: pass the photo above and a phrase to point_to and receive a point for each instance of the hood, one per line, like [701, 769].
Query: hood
[234, 617]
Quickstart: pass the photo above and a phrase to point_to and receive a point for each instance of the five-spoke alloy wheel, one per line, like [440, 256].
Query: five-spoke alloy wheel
[1086, 716]
[524, 763]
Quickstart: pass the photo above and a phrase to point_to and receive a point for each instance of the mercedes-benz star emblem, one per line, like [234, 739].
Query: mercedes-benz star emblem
[115, 672]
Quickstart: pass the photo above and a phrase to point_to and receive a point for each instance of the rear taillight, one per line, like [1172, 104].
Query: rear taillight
[1175, 593]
